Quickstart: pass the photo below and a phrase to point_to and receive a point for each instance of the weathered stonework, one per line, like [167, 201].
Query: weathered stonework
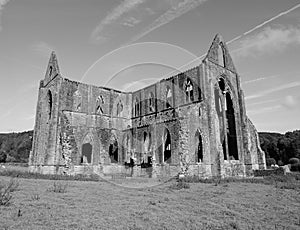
[193, 123]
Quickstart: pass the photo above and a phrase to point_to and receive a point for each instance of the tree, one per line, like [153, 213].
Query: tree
[3, 157]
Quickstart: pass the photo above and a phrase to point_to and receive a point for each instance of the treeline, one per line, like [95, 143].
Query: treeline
[280, 147]
[15, 147]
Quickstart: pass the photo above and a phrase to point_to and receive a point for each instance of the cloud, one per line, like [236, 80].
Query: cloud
[264, 23]
[273, 90]
[130, 22]
[264, 110]
[2, 4]
[269, 40]
[178, 8]
[43, 48]
[290, 102]
[113, 16]
[259, 79]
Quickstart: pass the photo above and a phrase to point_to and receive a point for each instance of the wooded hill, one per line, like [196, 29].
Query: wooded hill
[15, 147]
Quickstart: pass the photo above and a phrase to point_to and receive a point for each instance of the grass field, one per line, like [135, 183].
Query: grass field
[102, 205]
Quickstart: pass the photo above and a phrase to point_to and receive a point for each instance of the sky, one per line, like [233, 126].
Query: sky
[128, 44]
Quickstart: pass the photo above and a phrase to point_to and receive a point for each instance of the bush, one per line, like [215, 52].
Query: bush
[294, 160]
[295, 167]
[58, 187]
[3, 157]
[6, 190]
[180, 185]
[270, 161]
[280, 163]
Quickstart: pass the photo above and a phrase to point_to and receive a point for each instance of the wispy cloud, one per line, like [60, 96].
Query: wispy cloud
[130, 22]
[264, 23]
[178, 8]
[43, 48]
[260, 79]
[113, 16]
[275, 89]
[261, 102]
[290, 102]
[269, 40]
[264, 110]
[2, 4]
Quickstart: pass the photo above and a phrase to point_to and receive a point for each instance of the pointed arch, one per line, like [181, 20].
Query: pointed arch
[87, 149]
[50, 103]
[113, 150]
[77, 100]
[119, 108]
[198, 143]
[189, 90]
[221, 59]
[136, 107]
[231, 133]
[151, 102]
[99, 105]
[168, 97]
[167, 146]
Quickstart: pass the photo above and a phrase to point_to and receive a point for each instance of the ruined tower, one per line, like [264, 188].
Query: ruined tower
[194, 121]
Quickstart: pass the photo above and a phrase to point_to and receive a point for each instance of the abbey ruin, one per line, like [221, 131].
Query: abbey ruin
[194, 122]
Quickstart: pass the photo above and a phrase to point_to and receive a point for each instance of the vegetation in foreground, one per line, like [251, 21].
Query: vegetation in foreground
[190, 203]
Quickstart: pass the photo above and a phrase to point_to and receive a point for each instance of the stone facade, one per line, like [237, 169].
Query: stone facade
[194, 122]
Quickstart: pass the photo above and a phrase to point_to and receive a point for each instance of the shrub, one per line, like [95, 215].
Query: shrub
[280, 163]
[295, 167]
[6, 190]
[294, 160]
[270, 161]
[180, 185]
[58, 187]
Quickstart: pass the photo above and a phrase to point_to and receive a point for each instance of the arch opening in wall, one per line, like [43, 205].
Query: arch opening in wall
[151, 103]
[99, 104]
[167, 146]
[119, 108]
[50, 71]
[168, 98]
[218, 89]
[86, 153]
[198, 147]
[50, 104]
[113, 151]
[189, 91]
[136, 107]
[77, 101]
[231, 129]
[221, 59]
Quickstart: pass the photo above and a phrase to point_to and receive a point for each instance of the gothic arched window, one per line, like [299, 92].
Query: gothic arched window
[99, 104]
[189, 92]
[168, 98]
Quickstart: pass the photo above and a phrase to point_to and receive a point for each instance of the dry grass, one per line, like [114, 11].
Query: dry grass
[102, 205]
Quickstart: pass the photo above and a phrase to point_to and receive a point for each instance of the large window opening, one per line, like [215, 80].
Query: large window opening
[86, 153]
[168, 98]
[151, 103]
[231, 129]
[99, 104]
[221, 60]
[136, 107]
[167, 146]
[198, 147]
[119, 108]
[189, 92]
[49, 96]
[113, 151]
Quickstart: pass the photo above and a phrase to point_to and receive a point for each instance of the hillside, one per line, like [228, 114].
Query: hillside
[15, 147]
[281, 147]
